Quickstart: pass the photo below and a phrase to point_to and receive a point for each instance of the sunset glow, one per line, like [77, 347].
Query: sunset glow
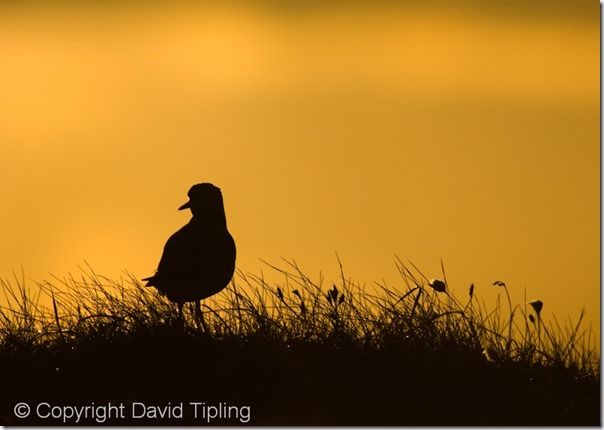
[421, 131]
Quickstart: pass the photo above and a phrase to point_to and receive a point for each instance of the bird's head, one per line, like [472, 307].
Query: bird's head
[204, 199]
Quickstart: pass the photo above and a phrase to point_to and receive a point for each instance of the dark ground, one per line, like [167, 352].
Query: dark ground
[302, 383]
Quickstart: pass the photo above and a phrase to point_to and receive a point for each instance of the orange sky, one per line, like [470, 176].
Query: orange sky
[423, 131]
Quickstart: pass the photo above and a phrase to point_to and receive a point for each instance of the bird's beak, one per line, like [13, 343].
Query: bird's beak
[185, 206]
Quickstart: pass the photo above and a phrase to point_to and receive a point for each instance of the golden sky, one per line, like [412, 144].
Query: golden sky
[469, 134]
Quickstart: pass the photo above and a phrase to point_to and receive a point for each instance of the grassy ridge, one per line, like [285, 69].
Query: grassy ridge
[295, 352]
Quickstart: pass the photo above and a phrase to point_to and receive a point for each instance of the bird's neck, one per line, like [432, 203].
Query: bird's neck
[215, 219]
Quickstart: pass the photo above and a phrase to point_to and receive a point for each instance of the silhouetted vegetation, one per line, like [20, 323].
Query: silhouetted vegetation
[295, 352]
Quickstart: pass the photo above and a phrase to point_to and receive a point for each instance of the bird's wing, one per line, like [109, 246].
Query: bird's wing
[170, 259]
[174, 257]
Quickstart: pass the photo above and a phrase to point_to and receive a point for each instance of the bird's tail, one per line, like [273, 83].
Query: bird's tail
[150, 281]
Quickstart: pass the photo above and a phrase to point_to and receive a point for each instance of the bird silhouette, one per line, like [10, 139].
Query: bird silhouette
[198, 260]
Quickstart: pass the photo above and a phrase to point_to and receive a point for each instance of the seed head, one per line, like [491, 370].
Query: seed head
[438, 285]
[471, 290]
[537, 305]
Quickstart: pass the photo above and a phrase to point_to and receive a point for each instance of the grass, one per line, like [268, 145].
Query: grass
[295, 352]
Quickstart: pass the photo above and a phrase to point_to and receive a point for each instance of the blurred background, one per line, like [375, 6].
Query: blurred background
[467, 133]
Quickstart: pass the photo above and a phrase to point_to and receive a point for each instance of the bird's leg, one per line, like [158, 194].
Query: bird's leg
[199, 316]
[180, 306]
